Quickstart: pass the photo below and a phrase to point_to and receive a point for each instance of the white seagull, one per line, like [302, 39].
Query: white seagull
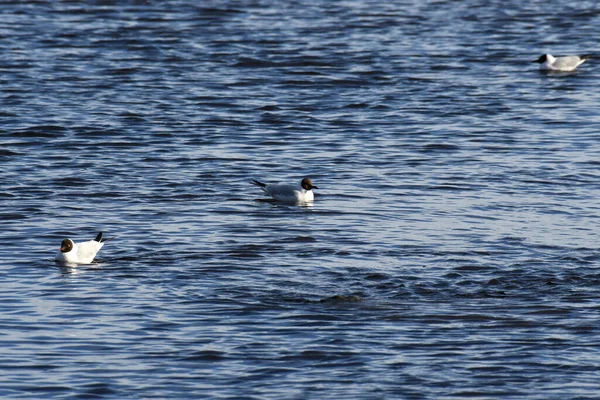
[565, 64]
[289, 193]
[79, 253]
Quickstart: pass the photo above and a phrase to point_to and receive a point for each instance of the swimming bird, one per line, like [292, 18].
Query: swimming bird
[289, 193]
[79, 253]
[567, 63]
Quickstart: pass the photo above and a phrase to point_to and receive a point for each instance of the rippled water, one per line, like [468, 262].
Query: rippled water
[451, 251]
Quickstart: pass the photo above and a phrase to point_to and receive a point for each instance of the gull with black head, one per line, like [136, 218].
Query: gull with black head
[560, 64]
[302, 193]
[79, 253]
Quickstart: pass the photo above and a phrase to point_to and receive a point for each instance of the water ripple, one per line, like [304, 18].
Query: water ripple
[450, 251]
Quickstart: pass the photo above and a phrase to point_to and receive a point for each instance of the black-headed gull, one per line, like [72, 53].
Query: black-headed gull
[289, 193]
[79, 253]
[565, 64]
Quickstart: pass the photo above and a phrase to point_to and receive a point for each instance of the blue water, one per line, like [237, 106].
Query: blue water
[451, 251]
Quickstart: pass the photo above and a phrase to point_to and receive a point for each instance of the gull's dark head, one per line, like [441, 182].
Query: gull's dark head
[307, 184]
[542, 59]
[66, 246]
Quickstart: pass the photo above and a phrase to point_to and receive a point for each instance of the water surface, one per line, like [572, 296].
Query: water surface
[451, 250]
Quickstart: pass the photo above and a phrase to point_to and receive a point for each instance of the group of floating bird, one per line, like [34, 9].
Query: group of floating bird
[85, 252]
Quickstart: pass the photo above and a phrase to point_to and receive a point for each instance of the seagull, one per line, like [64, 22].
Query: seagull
[567, 63]
[289, 193]
[79, 253]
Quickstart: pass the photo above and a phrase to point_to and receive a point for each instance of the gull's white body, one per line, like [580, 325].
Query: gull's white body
[81, 253]
[289, 193]
[563, 64]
